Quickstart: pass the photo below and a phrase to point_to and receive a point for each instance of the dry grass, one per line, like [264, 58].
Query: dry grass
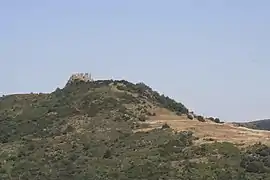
[209, 131]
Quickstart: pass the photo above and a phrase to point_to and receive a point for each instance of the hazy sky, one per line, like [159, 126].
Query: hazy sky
[212, 55]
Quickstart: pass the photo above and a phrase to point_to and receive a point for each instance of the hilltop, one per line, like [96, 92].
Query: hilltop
[108, 129]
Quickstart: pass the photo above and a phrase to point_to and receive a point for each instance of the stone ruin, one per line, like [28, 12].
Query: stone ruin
[86, 77]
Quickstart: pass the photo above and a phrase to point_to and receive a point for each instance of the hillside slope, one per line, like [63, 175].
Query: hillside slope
[259, 124]
[211, 132]
[115, 130]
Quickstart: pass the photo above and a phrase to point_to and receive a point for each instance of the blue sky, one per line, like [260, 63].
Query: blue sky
[211, 55]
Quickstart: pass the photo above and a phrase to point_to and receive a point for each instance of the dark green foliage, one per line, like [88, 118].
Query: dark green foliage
[142, 118]
[260, 124]
[151, 114]
[85, 131]
[190, 116]
[216, 120]
[165, 126]
[171, 104]
[256, 159]
[146, 92]
[200, 118]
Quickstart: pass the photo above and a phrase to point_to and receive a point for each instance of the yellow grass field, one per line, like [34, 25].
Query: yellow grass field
[208, 131]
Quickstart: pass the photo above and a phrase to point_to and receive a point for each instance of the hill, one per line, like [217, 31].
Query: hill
[259, 124]
[119, 130]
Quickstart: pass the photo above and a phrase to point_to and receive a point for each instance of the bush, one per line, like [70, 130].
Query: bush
[211, 119]
[150, 114]
[209, 139]
[107, 154]
[255, 167]
[165, 126]
[201, 118]
[190, 116]
[217, 120]
[142, 118]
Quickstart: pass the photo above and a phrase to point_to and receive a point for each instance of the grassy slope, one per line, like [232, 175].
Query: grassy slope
[85, 131]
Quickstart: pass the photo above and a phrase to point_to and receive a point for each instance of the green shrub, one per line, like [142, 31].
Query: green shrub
[142, 118]
[190, 116]
[165, 126]
[201, 118]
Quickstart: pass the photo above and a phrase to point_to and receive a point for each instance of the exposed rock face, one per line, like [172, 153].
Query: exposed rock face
[80, 76]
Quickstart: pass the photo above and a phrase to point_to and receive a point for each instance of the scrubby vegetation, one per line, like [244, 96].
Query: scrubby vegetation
[216, 120]
[85, 131]
[260, 124]
[145, 91]
[200, 118]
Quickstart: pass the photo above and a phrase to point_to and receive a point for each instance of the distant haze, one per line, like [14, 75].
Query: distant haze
[213, 56]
